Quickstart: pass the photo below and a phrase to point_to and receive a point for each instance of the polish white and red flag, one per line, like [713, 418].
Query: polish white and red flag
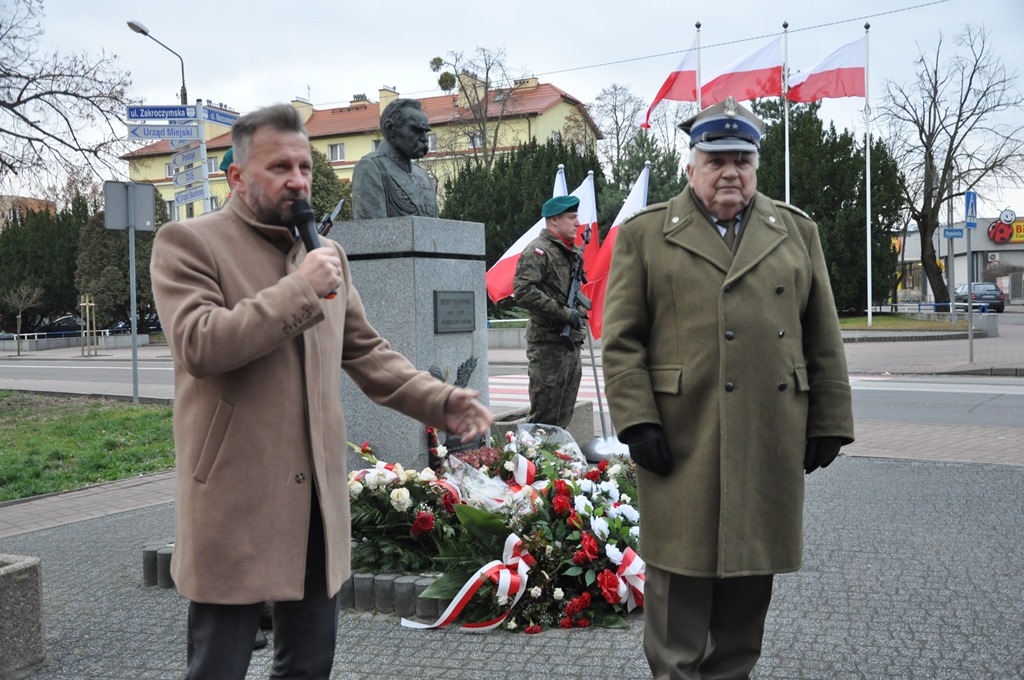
[681, 84]
[597, 273]
[587, 215]
[758, 74]
[499, 277]
[840, 74]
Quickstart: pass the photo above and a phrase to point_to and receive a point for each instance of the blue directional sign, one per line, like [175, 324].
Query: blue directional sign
[188, 195]
[971, 209]
[952, 232]
[176, 132]
[187, 157]
[161, 113]
[190, 176]
[220, 117]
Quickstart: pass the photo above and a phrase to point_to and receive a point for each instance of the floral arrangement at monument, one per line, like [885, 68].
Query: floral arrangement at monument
[527, 536]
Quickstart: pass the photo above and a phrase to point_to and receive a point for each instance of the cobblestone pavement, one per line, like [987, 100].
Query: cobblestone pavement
[912, 571]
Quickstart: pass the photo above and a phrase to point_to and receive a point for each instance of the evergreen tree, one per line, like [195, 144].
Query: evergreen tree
[327, 189]
[667, 177]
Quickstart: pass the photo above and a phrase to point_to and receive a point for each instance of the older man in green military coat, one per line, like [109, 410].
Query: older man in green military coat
[725, 375]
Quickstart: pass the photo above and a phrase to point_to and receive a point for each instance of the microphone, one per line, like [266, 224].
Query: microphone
[304, 221]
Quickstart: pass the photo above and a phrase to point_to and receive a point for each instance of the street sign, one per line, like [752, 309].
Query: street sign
[182, 143]
[220, 117]
[190, 176]
[161, 113]
[971, 209]
[952, 232]
[190, 133]
[194, 194]
[186, 157]
[115, 205]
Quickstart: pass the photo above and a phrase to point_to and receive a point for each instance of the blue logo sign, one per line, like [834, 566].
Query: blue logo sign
[219, 117]
[952, 232]
[971, 209]
[161, 112]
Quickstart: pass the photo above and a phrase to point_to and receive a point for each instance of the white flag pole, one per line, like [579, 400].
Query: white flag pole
[867, 156]
[697, 26]
[785, 90]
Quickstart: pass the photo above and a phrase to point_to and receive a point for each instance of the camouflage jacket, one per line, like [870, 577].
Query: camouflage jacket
[541, 287]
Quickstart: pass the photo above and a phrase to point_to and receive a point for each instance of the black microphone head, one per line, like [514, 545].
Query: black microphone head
[302, 212]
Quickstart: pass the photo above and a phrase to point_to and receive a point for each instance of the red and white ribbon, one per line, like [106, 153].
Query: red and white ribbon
[631, 574]
[387, 468]
[509, 577]
[449, 487]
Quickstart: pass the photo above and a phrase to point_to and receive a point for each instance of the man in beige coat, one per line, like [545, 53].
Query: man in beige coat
[261, 504]
[726, 377]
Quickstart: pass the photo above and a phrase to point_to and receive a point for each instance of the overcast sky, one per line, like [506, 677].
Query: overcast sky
[248, 54]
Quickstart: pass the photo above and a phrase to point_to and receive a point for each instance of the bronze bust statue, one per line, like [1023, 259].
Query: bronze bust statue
[386, 183]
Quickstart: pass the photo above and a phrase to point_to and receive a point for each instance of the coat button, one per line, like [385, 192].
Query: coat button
[729, 387]
[782, 333]
[300, 477]
[782, 387]
[778, 291]
[728, 287]
[729, 335]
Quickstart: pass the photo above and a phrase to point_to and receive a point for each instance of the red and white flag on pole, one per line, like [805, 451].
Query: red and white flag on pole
[681, 84]
[587, 215]
[499, 277]
[840, 74]
[597, 272]
[758, 74]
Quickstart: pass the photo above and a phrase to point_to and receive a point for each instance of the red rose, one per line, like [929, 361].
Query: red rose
[589, 545]
[424, 523]
[532, 629]
[584, 601]
[582, 623]
[562, 505]
[574, 519]
[603, 465]
[449, 502]
[579, 558]
[593, 474]
[565, 623]
[562, 488]
[608, 582]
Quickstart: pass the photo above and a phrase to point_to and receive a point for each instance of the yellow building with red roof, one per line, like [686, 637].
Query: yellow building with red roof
[530, 110]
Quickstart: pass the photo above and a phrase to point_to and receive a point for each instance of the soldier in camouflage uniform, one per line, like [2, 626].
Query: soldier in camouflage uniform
[541, 286]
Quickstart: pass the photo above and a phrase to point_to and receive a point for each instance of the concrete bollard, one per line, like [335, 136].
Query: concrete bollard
[384, 592]
[22, 647]
[426, 607]
[363, 585]
[346, 595]
[405, 596]
[163, 567]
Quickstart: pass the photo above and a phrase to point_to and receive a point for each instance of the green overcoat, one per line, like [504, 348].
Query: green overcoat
[740, 360]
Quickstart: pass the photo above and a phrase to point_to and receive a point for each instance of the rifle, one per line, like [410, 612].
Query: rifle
[577, 277]
[327, 221]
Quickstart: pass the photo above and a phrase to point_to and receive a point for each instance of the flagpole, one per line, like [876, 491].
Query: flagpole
[785, 101]
[867, 156]
[697, 26]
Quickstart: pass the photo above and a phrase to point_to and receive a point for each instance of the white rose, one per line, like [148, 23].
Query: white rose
[610, 489]
[535, 592]
[624, 498]
[354, 488]
[614, 470]
[442, 451]
[583, 505]
[375, 479]
[558, 594]
[511, 625]
[399, 471]
[629, 512]
[600, 527]
[427, 475]
[400, 499]
[634, 532]
[613, 553]
[510, 466]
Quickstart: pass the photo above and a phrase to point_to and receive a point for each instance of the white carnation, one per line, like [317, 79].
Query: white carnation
[613, 553]
[558, 594]
[535, 592]
[629, 512]
[600, 527]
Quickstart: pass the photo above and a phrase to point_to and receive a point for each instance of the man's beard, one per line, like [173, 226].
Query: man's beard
[268, 211]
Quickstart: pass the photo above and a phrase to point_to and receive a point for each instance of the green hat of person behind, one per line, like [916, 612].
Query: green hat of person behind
[229, 158]
[558, 205]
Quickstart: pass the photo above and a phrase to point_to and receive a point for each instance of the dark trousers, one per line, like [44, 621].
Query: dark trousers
[555, 373]
[703, 628]
[220, 636]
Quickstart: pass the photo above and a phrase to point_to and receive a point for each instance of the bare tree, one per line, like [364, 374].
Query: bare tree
[618, 113]
[955, 128]
[54, 108]
[21, 298]
[486, 95]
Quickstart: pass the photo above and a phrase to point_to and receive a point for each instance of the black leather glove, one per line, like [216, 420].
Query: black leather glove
[648, 448]
[576, 319]
[820, 452]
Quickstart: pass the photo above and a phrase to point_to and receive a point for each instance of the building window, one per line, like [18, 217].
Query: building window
[556, 136]
[336, 152]
[376, 143]
[211, 165]
[172, 210]
[476, 141]
[190, 210]
[214, 203]
[432, 142]
[168, 170]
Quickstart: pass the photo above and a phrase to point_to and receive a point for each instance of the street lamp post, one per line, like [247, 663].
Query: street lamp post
[139, 28]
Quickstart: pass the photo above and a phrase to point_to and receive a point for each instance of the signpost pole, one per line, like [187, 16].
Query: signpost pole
[970, 224]
[131, 287]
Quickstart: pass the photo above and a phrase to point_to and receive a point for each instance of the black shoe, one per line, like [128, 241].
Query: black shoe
[267, 616]
[261, 640]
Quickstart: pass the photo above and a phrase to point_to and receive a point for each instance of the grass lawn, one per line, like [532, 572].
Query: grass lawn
[50, 444]
[895, 322]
